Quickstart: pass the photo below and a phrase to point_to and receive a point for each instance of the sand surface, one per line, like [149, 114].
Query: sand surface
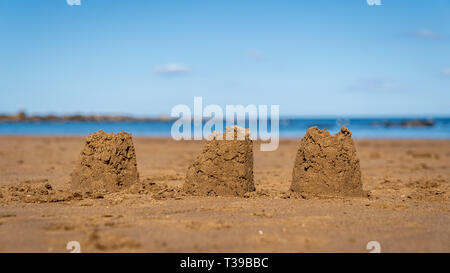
[408, 208]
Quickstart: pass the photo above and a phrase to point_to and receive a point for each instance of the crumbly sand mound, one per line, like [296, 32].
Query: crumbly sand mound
[327, 165]
[225, 166]
[107, 163]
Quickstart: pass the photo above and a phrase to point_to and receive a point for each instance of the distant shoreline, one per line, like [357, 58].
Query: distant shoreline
[376, 122]
[21, 116]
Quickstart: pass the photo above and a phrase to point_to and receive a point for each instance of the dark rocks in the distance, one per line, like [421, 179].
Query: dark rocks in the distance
[22, 116]
[406, 123]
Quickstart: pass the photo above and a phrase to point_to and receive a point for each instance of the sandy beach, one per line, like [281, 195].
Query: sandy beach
[407, 208]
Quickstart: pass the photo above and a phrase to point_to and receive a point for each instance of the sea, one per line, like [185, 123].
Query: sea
[362, 128]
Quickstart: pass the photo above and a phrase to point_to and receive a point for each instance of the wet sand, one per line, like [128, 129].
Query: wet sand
[407, 209]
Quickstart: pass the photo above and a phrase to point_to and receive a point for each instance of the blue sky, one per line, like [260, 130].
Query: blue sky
[313, 58]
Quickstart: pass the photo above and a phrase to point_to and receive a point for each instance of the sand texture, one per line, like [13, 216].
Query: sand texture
[106, 163]
[327, 165]
[407, 208]
[223, 168]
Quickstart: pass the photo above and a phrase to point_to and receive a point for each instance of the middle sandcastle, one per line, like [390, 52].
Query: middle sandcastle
[224, 167]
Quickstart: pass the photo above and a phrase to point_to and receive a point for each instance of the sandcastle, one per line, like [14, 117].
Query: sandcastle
[107, 163]
[327, 165]
[224, 167]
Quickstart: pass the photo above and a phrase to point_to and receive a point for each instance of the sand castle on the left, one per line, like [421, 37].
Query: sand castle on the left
[107, 162]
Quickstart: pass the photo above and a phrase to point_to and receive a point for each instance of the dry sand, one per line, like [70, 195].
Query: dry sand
[407, 210]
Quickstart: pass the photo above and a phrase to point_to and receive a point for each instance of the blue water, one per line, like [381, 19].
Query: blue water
[289, 128]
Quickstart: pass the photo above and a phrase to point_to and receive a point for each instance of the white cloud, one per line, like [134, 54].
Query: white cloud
[426, 34]
[446, 72]
[255, 54]
[173, 69]
[377, 85]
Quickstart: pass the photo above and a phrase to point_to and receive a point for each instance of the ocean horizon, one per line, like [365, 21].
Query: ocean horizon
[362, 128]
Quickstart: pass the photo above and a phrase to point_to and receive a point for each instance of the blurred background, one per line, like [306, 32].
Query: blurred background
[382, 70]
